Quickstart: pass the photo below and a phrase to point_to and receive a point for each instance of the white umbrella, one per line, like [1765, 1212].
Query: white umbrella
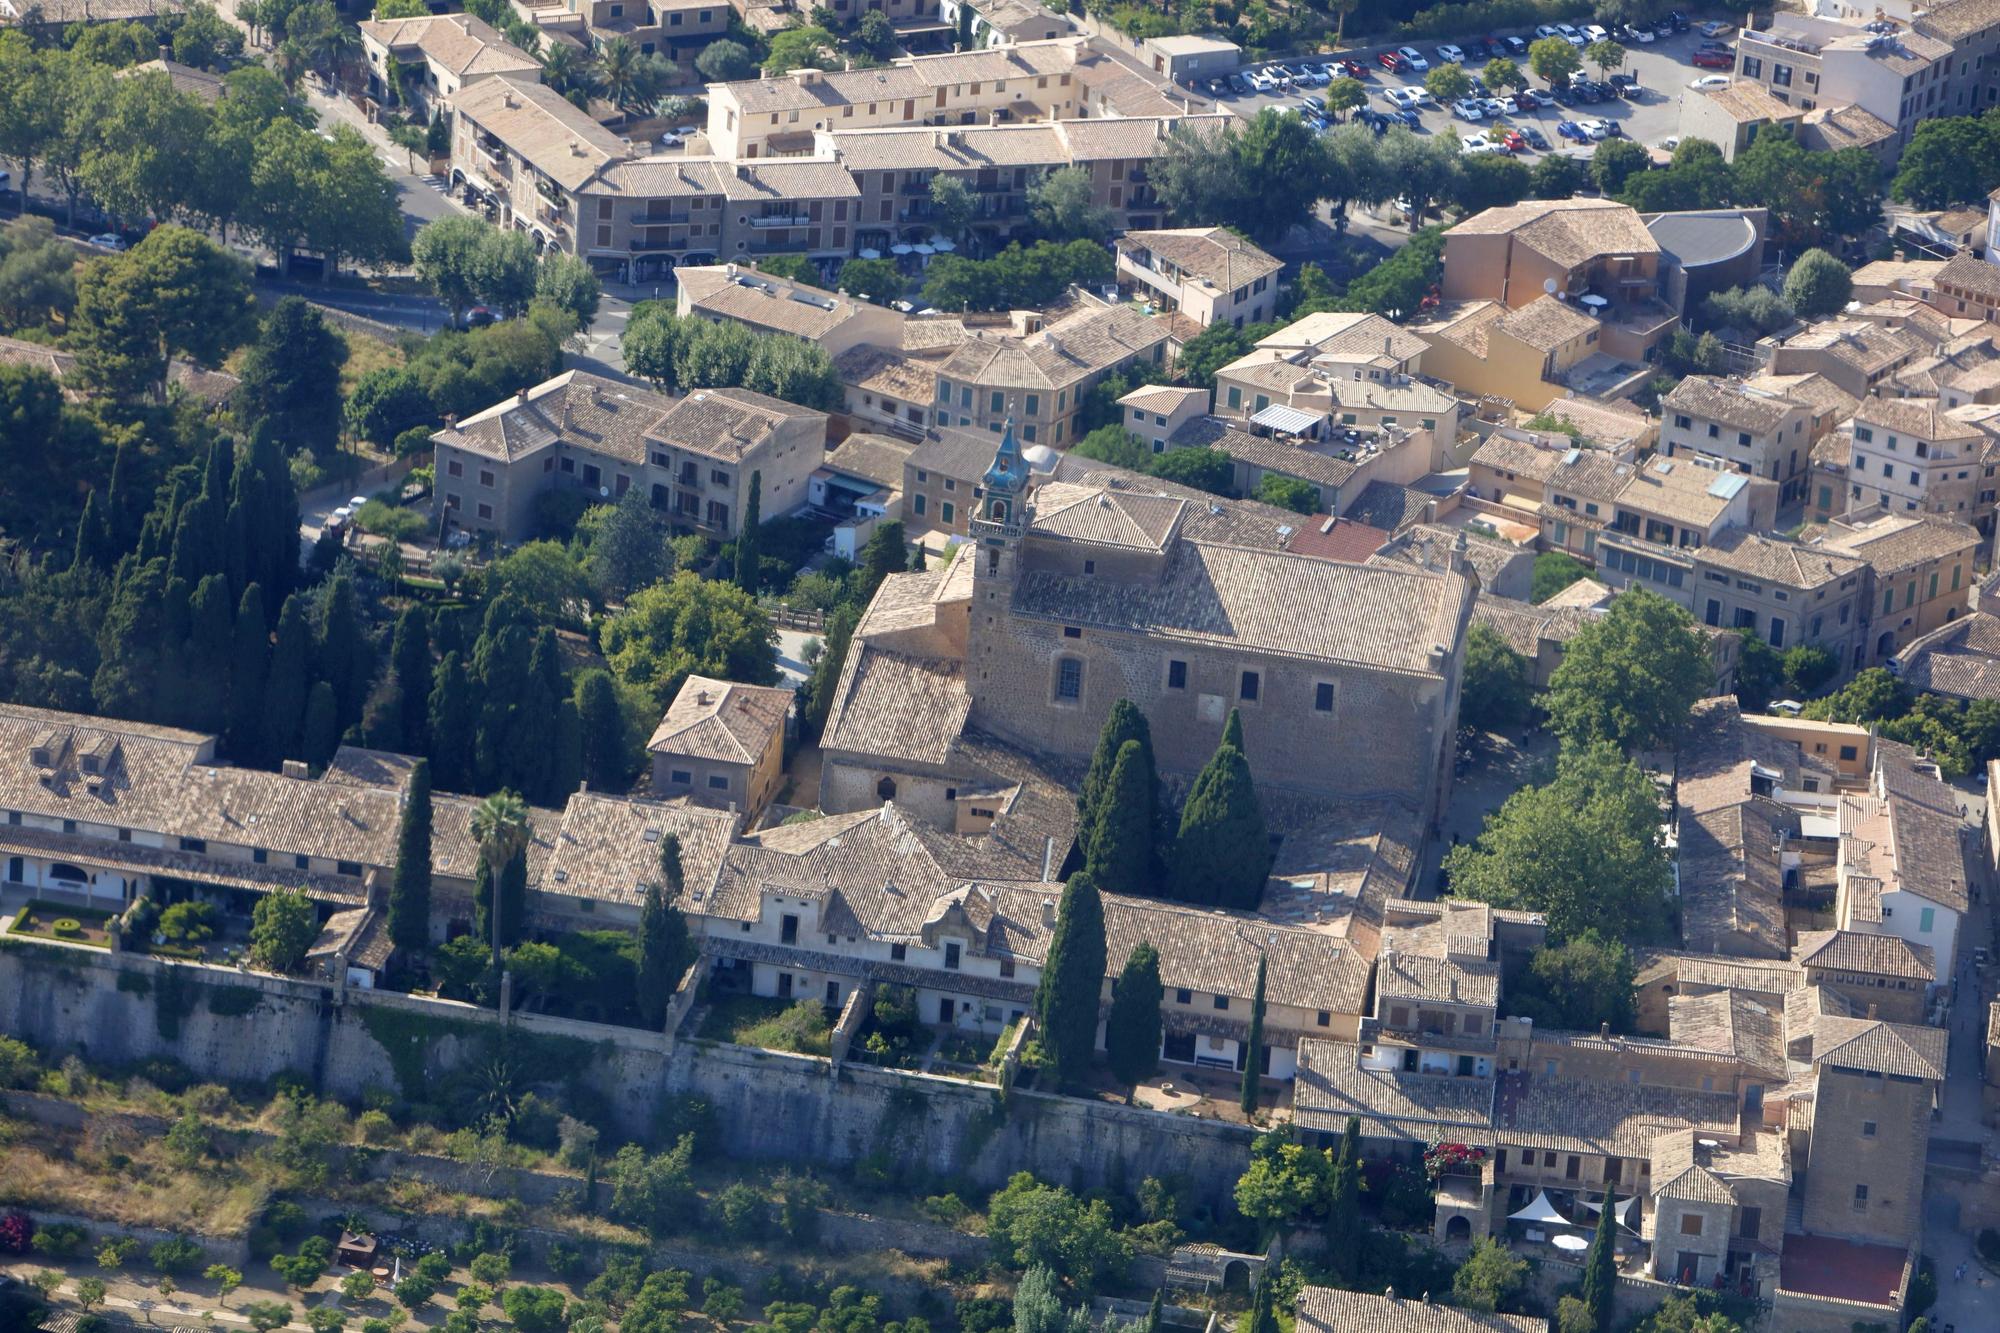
[926, 249]
[1541, 1210]
[943, 246]
[901, 249]
[870, 253]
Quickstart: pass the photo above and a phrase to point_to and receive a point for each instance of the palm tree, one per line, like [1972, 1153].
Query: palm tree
[568, 71]
[500, 826]
[618, 65]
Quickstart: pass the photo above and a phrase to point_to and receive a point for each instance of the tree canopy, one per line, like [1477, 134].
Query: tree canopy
[1631, 675]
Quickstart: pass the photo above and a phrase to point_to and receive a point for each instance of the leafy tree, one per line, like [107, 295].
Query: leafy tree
[1758, 310]
[284, 925]
[1606, 54]
[1615, 161]
[1492, 1277]
[1631, 675]
[1204, 469]
[796, 371]
[1035, 1225]
[655, 1192]
[1492, 180]
[1818, 285]
[871, 279]
[226, 1280]
[1556, 177]
[1872, 696]
[1344, 95]
[447, 257]
[173, 294]
[1808, 667]
[535, 1309]
[810, 47]
[1496, 694]
[1280, 492]
[1577, 984]
[1553, 59]
[1345, 1231]
[1448, 82]
[386, 402]
[37, 273]
[1132, 1031]
[1501, 74]
[1263, 1318]
[1285, 1183]
[1684, 1313]
[1222, 852]
[569, 283]
[410, 891]
[1398, 285]
[205, 40]
[1949, 160]
[1072, 980]
[1263, 179]
[672, 630]
[1253, 1045]
[725, 61]
[1065, 208]
[415, 1291]
[1584, 848]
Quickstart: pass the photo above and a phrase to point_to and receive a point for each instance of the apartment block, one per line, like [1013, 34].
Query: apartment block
[1208, 274]
[1732, 425]
[1900, 77]
[420, 62]
[722, 744]
[1910, 456]
[694, 457]
[735, 294]
[1037, 375]
[1921, 573]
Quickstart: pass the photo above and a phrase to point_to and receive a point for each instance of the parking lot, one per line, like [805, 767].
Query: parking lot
[1663, 69]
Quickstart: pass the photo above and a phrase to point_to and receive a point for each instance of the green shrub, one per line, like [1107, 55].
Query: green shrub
[60, 1240]
[66, 927]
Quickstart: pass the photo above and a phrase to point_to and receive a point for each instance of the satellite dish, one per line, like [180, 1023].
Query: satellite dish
[1549, 286]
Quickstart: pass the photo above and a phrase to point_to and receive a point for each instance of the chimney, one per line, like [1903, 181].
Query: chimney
[451, 421]
[1389, 1294]
[296, 768]
[1872, 1011]
[1604, 1031]
[1049, 913]
[742, 171]
[522, 394]
[701, 698]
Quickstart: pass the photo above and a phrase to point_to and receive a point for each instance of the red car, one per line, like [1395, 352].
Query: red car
[1514, 142]
[1392, 60]
[1354, 69]
[1707, 58]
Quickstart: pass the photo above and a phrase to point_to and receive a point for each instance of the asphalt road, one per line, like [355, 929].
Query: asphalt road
[1663, 68]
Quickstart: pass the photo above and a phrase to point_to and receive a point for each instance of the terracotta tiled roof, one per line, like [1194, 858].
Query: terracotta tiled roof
[1546, 324]
[1860, 951]
[539, 126]
[1219, 257]
[1329, 1310]
[1867, 1044]
[722, 721]
[1733, 402]
[1569, 232]
[460, 43]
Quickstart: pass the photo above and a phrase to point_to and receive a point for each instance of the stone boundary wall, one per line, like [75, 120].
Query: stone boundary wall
[769, 1106]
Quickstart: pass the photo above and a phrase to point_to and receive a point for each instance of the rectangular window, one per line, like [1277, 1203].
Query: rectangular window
[718, 782]
[1868, 1129]
[1860, 1195]
[1926, 919]
[947, 511]
[352, 869]
[951, 954]
[194, 844]
[682, 777]
[899, 952]
[1069, 679]
[1324, 1019]
[1247, 690]
[1183, 995]
[918, 506]
[1222, 1002]
[1323, 697]
[1176, 675]
[1690, 1224]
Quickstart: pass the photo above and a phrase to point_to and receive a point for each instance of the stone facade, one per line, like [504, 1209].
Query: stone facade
[1865, 1163]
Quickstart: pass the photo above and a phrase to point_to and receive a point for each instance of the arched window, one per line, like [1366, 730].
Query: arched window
[62, 870]
[886, 789]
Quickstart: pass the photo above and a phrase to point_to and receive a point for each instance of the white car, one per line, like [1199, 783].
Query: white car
[1468, 109]
[1451, 55]
[1633, 33]
[108, 241]
[1415, 57]
[671, 140]
[1671, 142]
[1710, 81]
[1493, 106]
[1596, 129]
[1475, 144]
[1593, 32]
[1569, 34]
[1546, 30]
[1400, 98]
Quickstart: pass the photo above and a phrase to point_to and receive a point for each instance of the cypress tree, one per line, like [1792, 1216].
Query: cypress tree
[319, 734]
[1072, 980]
[1262, 1318]
[286, 685]
[249, 658]
[216, 472]
[127, 681]
[601, 729]
[209, 644]
[918, 562]
[826, 672]
[410, 891]
[451, 725]
[663, 935]
[410, 659]
[1600, 1268]
[1132, 1032]
[748, 539]
[1125, 722]
[1120, 859]
[1343, 1213]
[121, 511]
[1253, 1045]
[1222, 852]
[1232, 730]
[566, 762]
[346, 658]
[172, 700]
[93, 541]
[885, 554]
[1152, 1320]
[513, 899]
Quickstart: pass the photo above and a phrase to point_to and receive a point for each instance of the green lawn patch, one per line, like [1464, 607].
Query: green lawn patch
[799, 1026]
[73, 925]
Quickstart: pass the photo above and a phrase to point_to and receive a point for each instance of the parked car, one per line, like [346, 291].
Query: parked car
[479, 317]
[1240, 85]
[1408, 115]
[1493, 106]
[1602, 129]
[1313, 103]
[1535, 138]
[1474, 144]
[1713, 59]
[1392, 60]
[1513, 142]
[108, 241]
[1516, 46]
[1715, 28]
[1708, 81]
[1400, 97]
[1467, 109]
[1631, 33]
[1528, 99]
[1671, 142]
[1354, 69]
[1569, 129]
[1594, 32]
[1546, 30]
[1677, 20]
[1414, 59]
[1570, 35]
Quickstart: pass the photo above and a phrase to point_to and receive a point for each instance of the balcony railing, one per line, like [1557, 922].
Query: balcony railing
[781, 220]
[660, 220]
